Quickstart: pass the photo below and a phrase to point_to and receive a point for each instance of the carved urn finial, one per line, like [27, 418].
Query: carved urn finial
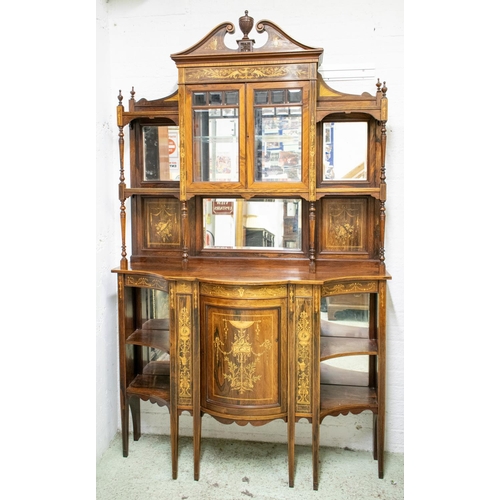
[246, 25]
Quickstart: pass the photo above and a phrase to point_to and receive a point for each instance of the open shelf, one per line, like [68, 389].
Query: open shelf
[339, 399]
[332, 347]
[153, 384]
[333, 375]
[154, 333]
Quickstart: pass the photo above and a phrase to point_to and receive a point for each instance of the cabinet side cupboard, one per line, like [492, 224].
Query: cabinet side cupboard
[255, 288]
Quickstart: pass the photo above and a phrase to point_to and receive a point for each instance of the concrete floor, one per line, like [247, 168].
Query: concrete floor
[231, 470]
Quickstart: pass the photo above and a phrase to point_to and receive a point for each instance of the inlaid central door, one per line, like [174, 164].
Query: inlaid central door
[243, 352]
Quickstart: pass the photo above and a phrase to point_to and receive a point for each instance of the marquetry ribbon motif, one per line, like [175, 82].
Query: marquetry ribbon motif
[247, 72]
[356, 287]
[146, 282]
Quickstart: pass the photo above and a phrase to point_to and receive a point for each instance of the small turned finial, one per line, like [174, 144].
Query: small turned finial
[379, 85]
[246, 25]
[120, 97]
[132, 93]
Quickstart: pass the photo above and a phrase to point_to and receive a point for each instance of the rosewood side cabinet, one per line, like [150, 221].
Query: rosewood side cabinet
[255, 288]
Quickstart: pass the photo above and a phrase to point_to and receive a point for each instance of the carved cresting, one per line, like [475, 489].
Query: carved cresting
[246, 25]
[241, 359]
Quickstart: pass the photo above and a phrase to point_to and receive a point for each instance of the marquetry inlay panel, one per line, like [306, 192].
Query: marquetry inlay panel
[242, 356]
[304, 354]
[243, 292]
[345, 220]
[162, 222]
[255, 73]
[146, 282]
[353, 287]
[183, 308]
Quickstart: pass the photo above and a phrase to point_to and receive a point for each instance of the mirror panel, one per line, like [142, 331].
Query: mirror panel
[345, 149]
[161, 159]
[271, 223]
[346, 316]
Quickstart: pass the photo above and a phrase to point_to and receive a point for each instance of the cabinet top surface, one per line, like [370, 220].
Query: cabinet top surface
[224, 272]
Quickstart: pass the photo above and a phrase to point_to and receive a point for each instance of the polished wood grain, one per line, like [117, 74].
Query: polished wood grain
[245, 340]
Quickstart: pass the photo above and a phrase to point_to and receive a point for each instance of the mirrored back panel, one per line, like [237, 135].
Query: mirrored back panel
[235, 223]
[160, 148]
[345, 151]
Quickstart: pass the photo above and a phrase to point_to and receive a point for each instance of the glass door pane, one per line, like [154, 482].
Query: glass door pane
[278, 135]
[215, 136]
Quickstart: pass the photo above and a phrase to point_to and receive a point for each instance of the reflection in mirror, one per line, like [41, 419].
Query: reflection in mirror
[345, 151]
[161, 152]
[216, 144]
[272, 223]
[215, 136]
[278, 135]
[155, 324]
[345, 316]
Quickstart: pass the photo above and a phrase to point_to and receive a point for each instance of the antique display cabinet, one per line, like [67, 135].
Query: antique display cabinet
[254, 199]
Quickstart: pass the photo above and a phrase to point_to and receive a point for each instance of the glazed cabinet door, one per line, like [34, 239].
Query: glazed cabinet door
[244, 346]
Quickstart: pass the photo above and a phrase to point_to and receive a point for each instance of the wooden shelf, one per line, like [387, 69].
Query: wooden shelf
[333, 375]
[339, 399]
[334, 347]
[153, 384]
[154, 333]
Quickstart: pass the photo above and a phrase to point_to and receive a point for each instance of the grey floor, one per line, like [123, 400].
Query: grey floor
[240, 469]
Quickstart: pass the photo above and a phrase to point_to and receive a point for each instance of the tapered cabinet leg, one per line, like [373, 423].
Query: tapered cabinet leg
[125, 423]
[375, 440]
[291, 452]
[135, 408]
[380, 445]
[174, 441]
[315, 452]
[197, 443]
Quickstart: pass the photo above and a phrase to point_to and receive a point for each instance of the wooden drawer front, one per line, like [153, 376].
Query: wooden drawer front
[243, 349]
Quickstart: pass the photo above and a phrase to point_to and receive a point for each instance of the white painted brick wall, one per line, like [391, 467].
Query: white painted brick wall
[134, 46]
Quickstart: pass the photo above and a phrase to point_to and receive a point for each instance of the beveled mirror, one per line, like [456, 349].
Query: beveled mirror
[345, 147]
[235, 223]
